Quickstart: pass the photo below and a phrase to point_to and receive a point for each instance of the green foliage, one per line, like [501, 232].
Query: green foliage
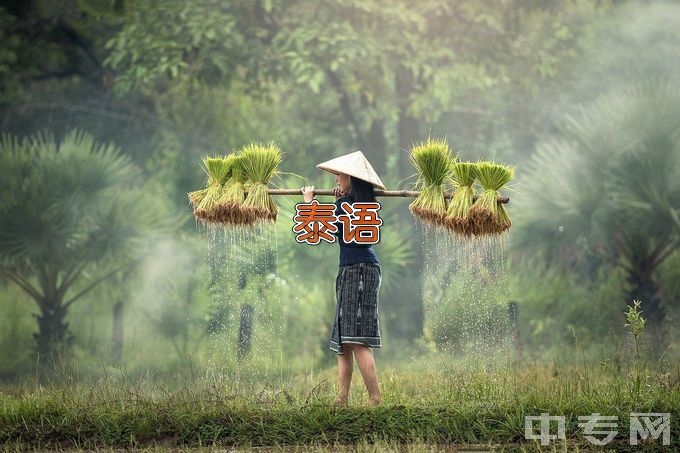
[555, 305]
[53, 205]
[611, 182]
[625, 138]
[16, 325]
[72, 215]
[65, 42]
[380, 66]
[470, 317]
[634, 320]
[395, 251]
[636, 325]
[176, 40]
[176, 318]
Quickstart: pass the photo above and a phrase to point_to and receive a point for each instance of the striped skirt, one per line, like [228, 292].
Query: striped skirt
[356, 306]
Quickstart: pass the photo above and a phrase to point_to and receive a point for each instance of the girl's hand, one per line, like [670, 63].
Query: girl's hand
[308, 193]
[339, 193]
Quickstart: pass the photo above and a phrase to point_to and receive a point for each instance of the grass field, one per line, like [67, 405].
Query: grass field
[421, 411]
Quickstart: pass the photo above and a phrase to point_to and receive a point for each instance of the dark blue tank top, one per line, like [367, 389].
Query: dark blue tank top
[352, 253]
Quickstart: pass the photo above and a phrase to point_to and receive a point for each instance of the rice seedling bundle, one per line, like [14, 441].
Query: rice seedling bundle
[205, 201]
[230, 203]
[457, 219]
[260, 163]
[487, 215]
[433, 160]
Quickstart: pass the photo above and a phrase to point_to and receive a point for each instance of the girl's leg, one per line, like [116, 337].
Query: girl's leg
[345, 365]
[364, 357]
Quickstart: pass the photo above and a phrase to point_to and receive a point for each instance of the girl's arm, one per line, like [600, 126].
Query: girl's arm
[308, 193]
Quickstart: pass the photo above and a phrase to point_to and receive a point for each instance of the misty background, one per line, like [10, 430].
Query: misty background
[106, 108]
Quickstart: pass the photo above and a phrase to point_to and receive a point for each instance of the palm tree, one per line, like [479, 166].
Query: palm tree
[610, 182]
[71, 216]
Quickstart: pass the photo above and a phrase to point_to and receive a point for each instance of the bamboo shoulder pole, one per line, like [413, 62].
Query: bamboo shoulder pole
[378, 193]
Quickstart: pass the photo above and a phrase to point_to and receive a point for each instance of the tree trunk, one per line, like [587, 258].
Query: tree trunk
[378, 146]
[245, 331]
[117, 336]
[53, 337]
[645, 290]
[245, 326]
[408, 127]
[513, 317]
[408, 132]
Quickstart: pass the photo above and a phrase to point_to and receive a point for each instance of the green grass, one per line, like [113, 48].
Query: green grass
[420, 409]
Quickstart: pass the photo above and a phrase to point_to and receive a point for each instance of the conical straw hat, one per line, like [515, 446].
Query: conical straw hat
[353, 164]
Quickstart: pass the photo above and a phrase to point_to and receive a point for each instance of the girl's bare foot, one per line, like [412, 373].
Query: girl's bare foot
[375, 401]
[341, 401]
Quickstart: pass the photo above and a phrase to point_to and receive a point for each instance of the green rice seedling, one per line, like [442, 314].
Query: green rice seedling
[260, 163]
[217, 169]
[196, 196]
[463, 177]
[230, 203]
[433, 160]
[487, 215]
[636, 325]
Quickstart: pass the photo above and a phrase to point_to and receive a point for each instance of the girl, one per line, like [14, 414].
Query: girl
[356, 327]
